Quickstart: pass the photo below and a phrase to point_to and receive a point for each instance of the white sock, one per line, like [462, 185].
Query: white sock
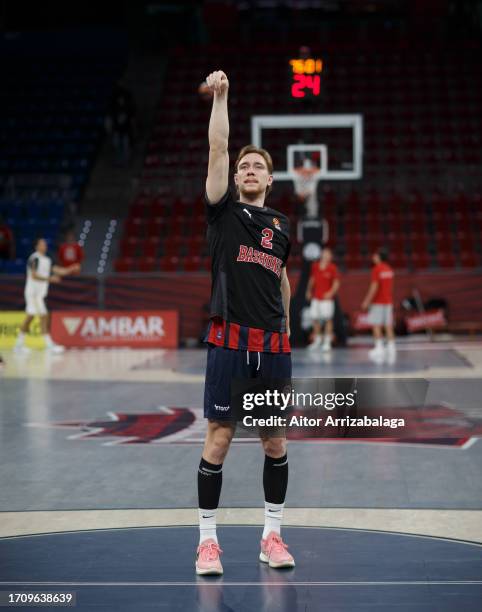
[207, 525]
[391, 345]
[48, 340]
[327, 341]
[20, 339]
[378, 344]
[273, 515]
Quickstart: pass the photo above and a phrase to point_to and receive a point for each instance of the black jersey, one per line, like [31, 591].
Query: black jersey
[249, 246]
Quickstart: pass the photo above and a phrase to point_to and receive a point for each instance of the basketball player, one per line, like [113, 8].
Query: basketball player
[248, 334]
[70, 251]
[40, 273]
[380, 301]
[322, 287]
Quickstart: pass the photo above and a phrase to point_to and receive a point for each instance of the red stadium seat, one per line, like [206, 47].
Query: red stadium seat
[169, 264]
[192, 263]
[468, 260]
[172, 246]
[373, 224]
[396, 243]
[465, 241]
[352, 221]
[353, 246]
[446, 260]
[138, 209]
[146, 264]
[417, 224]
[129, 247]
[156, 227]
[124, 264]
[418, 242]
[443, 241]
[160, 208]
[442, 223]
[195, 244]
[395, 222]
[373, 243]
[464, 224]
[399, 260]
[150, 247]
[420, 260]
[355, 262]
[134, 226]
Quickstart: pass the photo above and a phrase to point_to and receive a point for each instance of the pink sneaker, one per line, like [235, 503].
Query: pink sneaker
[207, 559]
[274, 551]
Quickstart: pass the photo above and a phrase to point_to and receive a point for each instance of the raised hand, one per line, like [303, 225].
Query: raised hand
[218, 82]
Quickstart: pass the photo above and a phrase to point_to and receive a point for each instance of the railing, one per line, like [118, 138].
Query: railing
[189, 293]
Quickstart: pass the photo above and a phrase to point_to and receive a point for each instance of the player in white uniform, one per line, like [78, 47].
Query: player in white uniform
[40, 272]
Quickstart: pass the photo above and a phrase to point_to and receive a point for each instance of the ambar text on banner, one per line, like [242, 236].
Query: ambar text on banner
[99, 328]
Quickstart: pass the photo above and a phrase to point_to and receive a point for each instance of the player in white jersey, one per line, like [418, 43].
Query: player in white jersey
[40, 273]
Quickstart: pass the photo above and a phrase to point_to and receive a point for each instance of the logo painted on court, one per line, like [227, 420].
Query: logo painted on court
[441, 426]
[143, 428]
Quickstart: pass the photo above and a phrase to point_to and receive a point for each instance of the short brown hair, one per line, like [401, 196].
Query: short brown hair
[264, 154]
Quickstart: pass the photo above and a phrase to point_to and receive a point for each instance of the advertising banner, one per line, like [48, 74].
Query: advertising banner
[116, 328]
[10, 322]
[431, 319]
[360, 321]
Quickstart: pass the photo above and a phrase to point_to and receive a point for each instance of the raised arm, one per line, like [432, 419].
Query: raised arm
[65, 271]
[218, 168]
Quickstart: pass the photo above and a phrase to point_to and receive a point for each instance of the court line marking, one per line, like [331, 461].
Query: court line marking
[224, 525]
[221, 582]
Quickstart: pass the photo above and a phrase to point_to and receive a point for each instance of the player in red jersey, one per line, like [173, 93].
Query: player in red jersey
[70, 251]
[379, 300]
[248, 334]
[322, 287]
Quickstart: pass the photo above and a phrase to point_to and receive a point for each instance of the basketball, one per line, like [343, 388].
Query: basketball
[204, 91]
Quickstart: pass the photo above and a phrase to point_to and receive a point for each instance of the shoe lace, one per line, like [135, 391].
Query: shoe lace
[210, 551]
[276, 544]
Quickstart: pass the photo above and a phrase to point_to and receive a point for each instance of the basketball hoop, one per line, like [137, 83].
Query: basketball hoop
[306, 181]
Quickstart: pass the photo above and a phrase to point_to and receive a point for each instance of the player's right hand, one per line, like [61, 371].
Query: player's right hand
[55, 278]
[218, 82]
[73, 268]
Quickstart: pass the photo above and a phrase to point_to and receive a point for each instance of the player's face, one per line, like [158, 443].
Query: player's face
[42, 246]
[326, 256]
[252, 177]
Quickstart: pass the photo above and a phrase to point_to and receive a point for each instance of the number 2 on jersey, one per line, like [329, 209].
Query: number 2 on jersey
[267, 234]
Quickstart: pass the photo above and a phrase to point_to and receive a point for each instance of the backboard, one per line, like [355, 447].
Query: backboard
[301, 127]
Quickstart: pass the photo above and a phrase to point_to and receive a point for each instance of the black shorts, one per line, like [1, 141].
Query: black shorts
[224, 364]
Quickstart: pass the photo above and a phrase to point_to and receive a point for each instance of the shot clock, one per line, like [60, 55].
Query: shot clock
[306, 77]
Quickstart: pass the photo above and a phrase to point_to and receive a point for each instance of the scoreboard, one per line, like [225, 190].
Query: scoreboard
[306, 77]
